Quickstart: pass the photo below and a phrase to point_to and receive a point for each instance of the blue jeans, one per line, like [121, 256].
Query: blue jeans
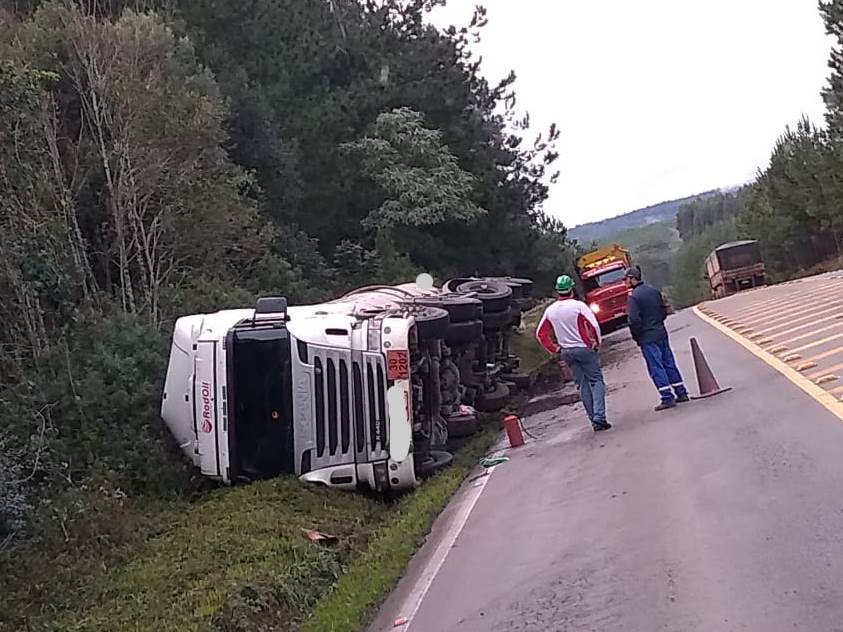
[662, 367]
[585, 367]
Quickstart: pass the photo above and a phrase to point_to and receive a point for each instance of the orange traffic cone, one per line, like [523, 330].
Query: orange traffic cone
[705, 378]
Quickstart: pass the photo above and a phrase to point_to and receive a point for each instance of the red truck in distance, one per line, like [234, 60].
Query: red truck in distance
[601, 274]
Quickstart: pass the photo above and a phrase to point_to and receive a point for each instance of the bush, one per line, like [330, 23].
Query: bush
[115, 387]
[87, 414]
[14, 504]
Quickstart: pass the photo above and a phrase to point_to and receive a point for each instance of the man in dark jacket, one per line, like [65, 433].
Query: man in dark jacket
[646, 311]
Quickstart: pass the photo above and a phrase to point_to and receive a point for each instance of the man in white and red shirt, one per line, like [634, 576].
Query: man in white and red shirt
[569, 327]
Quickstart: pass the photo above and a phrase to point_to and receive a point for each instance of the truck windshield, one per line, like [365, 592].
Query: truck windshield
[602, 280]
[260, 403]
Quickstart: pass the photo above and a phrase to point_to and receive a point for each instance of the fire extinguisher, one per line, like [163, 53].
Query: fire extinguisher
[512, 424]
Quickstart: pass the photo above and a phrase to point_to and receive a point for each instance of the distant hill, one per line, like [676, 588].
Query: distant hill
[664, 212]
[653, 247]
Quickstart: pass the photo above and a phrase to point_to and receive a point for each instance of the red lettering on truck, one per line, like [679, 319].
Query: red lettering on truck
[205, 393]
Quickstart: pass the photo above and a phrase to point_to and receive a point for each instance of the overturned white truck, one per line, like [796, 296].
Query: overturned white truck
[362, 392]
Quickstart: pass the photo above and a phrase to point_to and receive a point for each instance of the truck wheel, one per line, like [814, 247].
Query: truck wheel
[431, 323]
[526, 287]
[521, 288]
[495, 296]
[496, 320]
[464, 333]
[459, 308]
[494, 400]
[435, 460]
[453, 284]
[463, 425]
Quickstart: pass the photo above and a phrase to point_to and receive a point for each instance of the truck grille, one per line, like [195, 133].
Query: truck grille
[375, 403]
[349, 400]
[616, 302]
[333, 410]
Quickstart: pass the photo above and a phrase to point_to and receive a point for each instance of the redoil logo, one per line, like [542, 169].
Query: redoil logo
[205, 393]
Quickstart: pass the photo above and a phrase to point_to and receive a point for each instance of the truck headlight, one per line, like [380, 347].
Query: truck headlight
[595, 308]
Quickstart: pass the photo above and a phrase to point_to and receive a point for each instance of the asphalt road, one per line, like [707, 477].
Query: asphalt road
[723, 514]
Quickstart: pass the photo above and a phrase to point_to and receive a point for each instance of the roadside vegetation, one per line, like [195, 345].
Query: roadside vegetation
[163, 157]
[231, 559]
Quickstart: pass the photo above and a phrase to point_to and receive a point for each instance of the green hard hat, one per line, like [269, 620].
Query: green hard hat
[564, 283]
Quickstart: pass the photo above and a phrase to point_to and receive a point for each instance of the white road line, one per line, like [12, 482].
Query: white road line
[414, 600]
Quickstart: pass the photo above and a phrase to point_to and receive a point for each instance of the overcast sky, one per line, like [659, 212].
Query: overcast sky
[656, 99]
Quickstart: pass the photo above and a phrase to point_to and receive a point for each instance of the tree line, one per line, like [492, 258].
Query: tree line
[794, 208]
[164, 157]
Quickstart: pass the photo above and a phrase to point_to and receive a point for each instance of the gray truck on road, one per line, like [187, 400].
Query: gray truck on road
[734, 267]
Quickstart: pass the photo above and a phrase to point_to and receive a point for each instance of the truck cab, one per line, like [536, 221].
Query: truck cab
[601, 274]
[252, 394]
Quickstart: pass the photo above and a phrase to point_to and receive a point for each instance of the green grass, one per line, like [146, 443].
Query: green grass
[209, 564]
[371, 577]
[232, 560]
[524, 344]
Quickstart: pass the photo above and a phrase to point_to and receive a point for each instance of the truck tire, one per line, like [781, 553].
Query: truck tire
[460, 308]
[432, 462]
[526, 287]
[496, 320]
[493, 401]
[517, 290]
[464, 333]
[463, 425]
[521, 288]
[453, 284]
[431, 323]
[494, 295]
